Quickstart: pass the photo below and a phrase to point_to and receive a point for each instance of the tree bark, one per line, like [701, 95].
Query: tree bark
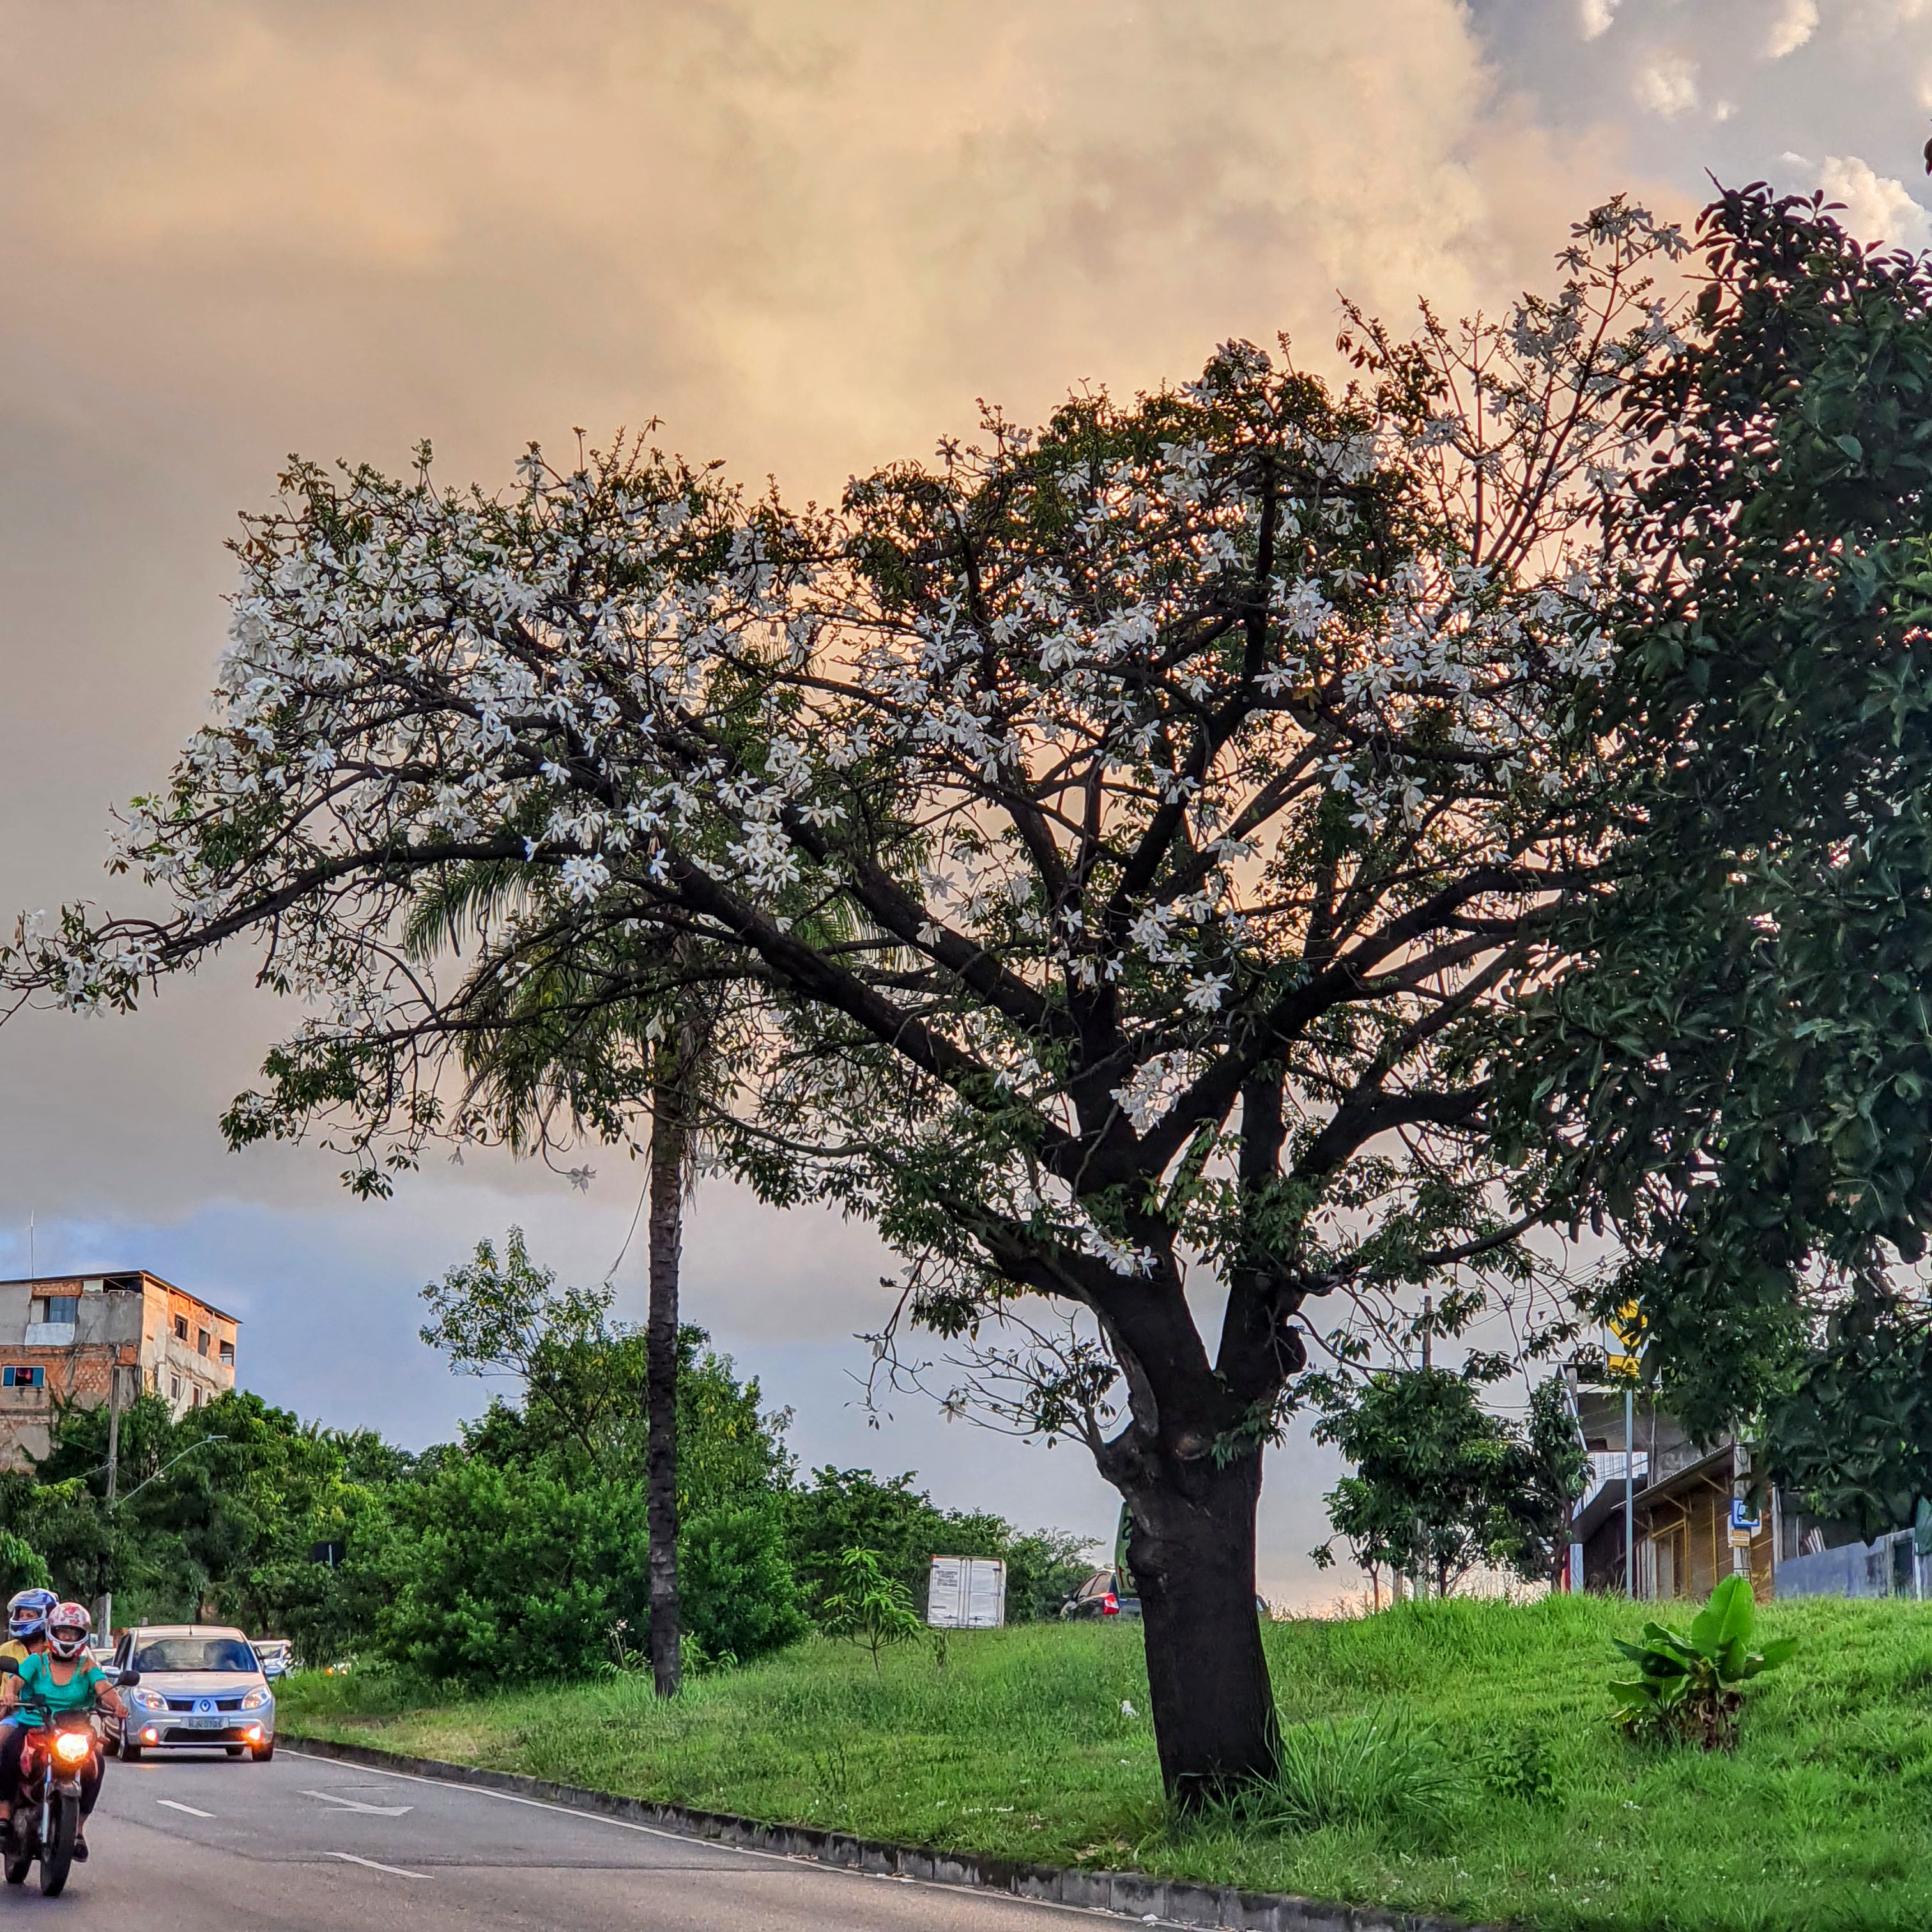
[1192, 1551]
[669, 1132]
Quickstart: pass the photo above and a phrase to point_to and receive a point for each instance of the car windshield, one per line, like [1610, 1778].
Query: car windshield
[195, 1653]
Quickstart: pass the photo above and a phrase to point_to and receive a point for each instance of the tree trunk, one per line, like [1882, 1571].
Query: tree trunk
[668, 1133]
[1192, 1551]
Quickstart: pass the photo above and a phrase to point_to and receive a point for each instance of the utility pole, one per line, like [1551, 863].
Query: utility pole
[1630, 1490]
[1428, 1333]
[106, 1614]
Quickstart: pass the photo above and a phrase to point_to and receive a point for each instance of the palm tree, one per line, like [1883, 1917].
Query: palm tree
[548, 1054]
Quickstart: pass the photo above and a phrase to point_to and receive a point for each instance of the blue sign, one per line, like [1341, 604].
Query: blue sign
[1744, 1517]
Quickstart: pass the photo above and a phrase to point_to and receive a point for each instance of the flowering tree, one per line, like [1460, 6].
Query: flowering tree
[1108, 850]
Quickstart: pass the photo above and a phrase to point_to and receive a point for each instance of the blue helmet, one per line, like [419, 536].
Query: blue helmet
[27, 1613]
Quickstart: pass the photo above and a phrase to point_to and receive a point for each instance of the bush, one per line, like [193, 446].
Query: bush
[737, 1596]
[507, 1573]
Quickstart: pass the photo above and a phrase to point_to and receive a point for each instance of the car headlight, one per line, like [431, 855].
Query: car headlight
[256, 1700]
[148, 1700]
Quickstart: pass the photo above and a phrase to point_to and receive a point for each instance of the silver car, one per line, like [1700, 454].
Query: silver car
[191, 1686]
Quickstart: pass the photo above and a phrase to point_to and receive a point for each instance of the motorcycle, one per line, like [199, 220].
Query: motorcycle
[47, 1809]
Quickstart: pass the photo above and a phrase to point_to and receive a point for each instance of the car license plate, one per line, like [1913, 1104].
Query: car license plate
[197, 1720]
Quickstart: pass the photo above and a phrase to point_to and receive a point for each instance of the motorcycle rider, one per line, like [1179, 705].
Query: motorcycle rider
[63, 1678]
[26, 1627]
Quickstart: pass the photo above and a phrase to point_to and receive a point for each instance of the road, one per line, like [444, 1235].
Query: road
[306, 1844]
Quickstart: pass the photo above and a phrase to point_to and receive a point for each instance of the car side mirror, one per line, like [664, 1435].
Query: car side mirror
[274, 1667]
[128, 1679]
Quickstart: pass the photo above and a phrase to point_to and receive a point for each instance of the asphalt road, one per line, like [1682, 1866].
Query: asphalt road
[306, 1844]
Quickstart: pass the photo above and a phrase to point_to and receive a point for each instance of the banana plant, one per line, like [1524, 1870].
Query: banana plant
[1692, 1687]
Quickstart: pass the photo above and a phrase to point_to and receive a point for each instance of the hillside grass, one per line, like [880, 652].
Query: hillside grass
[1459, 1757]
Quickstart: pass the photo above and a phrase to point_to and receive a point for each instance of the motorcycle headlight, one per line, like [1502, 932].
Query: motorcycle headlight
[255, 1700]
[72, 1746]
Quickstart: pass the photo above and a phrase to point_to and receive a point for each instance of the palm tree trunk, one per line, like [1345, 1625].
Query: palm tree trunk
[669, 1134]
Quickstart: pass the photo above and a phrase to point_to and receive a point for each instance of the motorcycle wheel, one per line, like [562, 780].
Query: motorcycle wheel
[57, 1854]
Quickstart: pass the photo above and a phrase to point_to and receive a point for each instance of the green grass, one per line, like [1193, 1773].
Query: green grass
[1459, 1759]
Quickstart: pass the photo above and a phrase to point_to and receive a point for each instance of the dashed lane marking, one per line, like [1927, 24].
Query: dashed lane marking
[395, 1871]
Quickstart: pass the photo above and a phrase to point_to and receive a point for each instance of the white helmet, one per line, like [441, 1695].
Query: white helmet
[68, 1625]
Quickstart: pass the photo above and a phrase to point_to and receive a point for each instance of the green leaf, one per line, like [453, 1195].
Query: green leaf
[1726, 1618]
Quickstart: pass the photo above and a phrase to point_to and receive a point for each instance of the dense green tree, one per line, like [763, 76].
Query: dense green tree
[1734, 1052]
[739, 1598]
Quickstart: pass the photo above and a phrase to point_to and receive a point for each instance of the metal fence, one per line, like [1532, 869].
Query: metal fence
[1889, 1567]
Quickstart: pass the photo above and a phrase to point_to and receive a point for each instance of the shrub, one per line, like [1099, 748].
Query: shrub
[503, 1573]
[737, 1596]
[1691, 1688]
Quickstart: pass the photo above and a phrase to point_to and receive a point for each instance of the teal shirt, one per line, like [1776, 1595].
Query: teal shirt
[76, 1694]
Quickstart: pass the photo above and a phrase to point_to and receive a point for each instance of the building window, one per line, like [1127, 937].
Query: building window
[194, 1398]
[23, 1377]
[57, 1307]
[181, 1328]
[174, 1388]
[228, 1355]
[201, 1341]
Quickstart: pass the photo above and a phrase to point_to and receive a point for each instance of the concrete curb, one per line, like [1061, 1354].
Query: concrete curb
[1127, 1895]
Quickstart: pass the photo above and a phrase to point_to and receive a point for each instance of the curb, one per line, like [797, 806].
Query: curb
[1126, 1894]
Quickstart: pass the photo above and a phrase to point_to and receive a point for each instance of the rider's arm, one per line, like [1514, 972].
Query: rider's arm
[105, 1696]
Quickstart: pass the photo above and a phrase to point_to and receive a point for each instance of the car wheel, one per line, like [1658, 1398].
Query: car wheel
[129, 1754]
[262, 1753]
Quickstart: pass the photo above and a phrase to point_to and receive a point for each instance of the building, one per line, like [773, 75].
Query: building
[1698, 1517]
[93, 1338]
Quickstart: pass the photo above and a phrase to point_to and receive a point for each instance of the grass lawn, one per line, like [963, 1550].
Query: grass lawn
[1491, 1785]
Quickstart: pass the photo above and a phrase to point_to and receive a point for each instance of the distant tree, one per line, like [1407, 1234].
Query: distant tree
[1442, 1485]
[840, 1510]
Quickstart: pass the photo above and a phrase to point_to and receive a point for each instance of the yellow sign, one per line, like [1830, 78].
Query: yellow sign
[1625, 1365]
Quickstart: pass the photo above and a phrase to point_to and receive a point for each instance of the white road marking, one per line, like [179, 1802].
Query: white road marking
[175, 1804]
[356, 1804]
[792, 1859]
[395, 1871]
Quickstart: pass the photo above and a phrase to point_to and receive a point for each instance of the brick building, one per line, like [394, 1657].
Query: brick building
[92, 1339]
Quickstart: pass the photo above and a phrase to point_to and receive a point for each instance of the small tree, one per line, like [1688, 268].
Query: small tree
[869, 1608]
[1442, 1485]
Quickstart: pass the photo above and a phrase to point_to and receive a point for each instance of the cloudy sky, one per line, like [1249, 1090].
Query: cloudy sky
[806, 235]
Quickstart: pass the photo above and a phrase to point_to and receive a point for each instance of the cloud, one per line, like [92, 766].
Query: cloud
[1874, 207]
[1597, 16]
[1794, 23]
[1878, 207]
[1666, 84]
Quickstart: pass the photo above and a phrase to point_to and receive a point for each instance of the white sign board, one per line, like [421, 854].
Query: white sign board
[967, 1593]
